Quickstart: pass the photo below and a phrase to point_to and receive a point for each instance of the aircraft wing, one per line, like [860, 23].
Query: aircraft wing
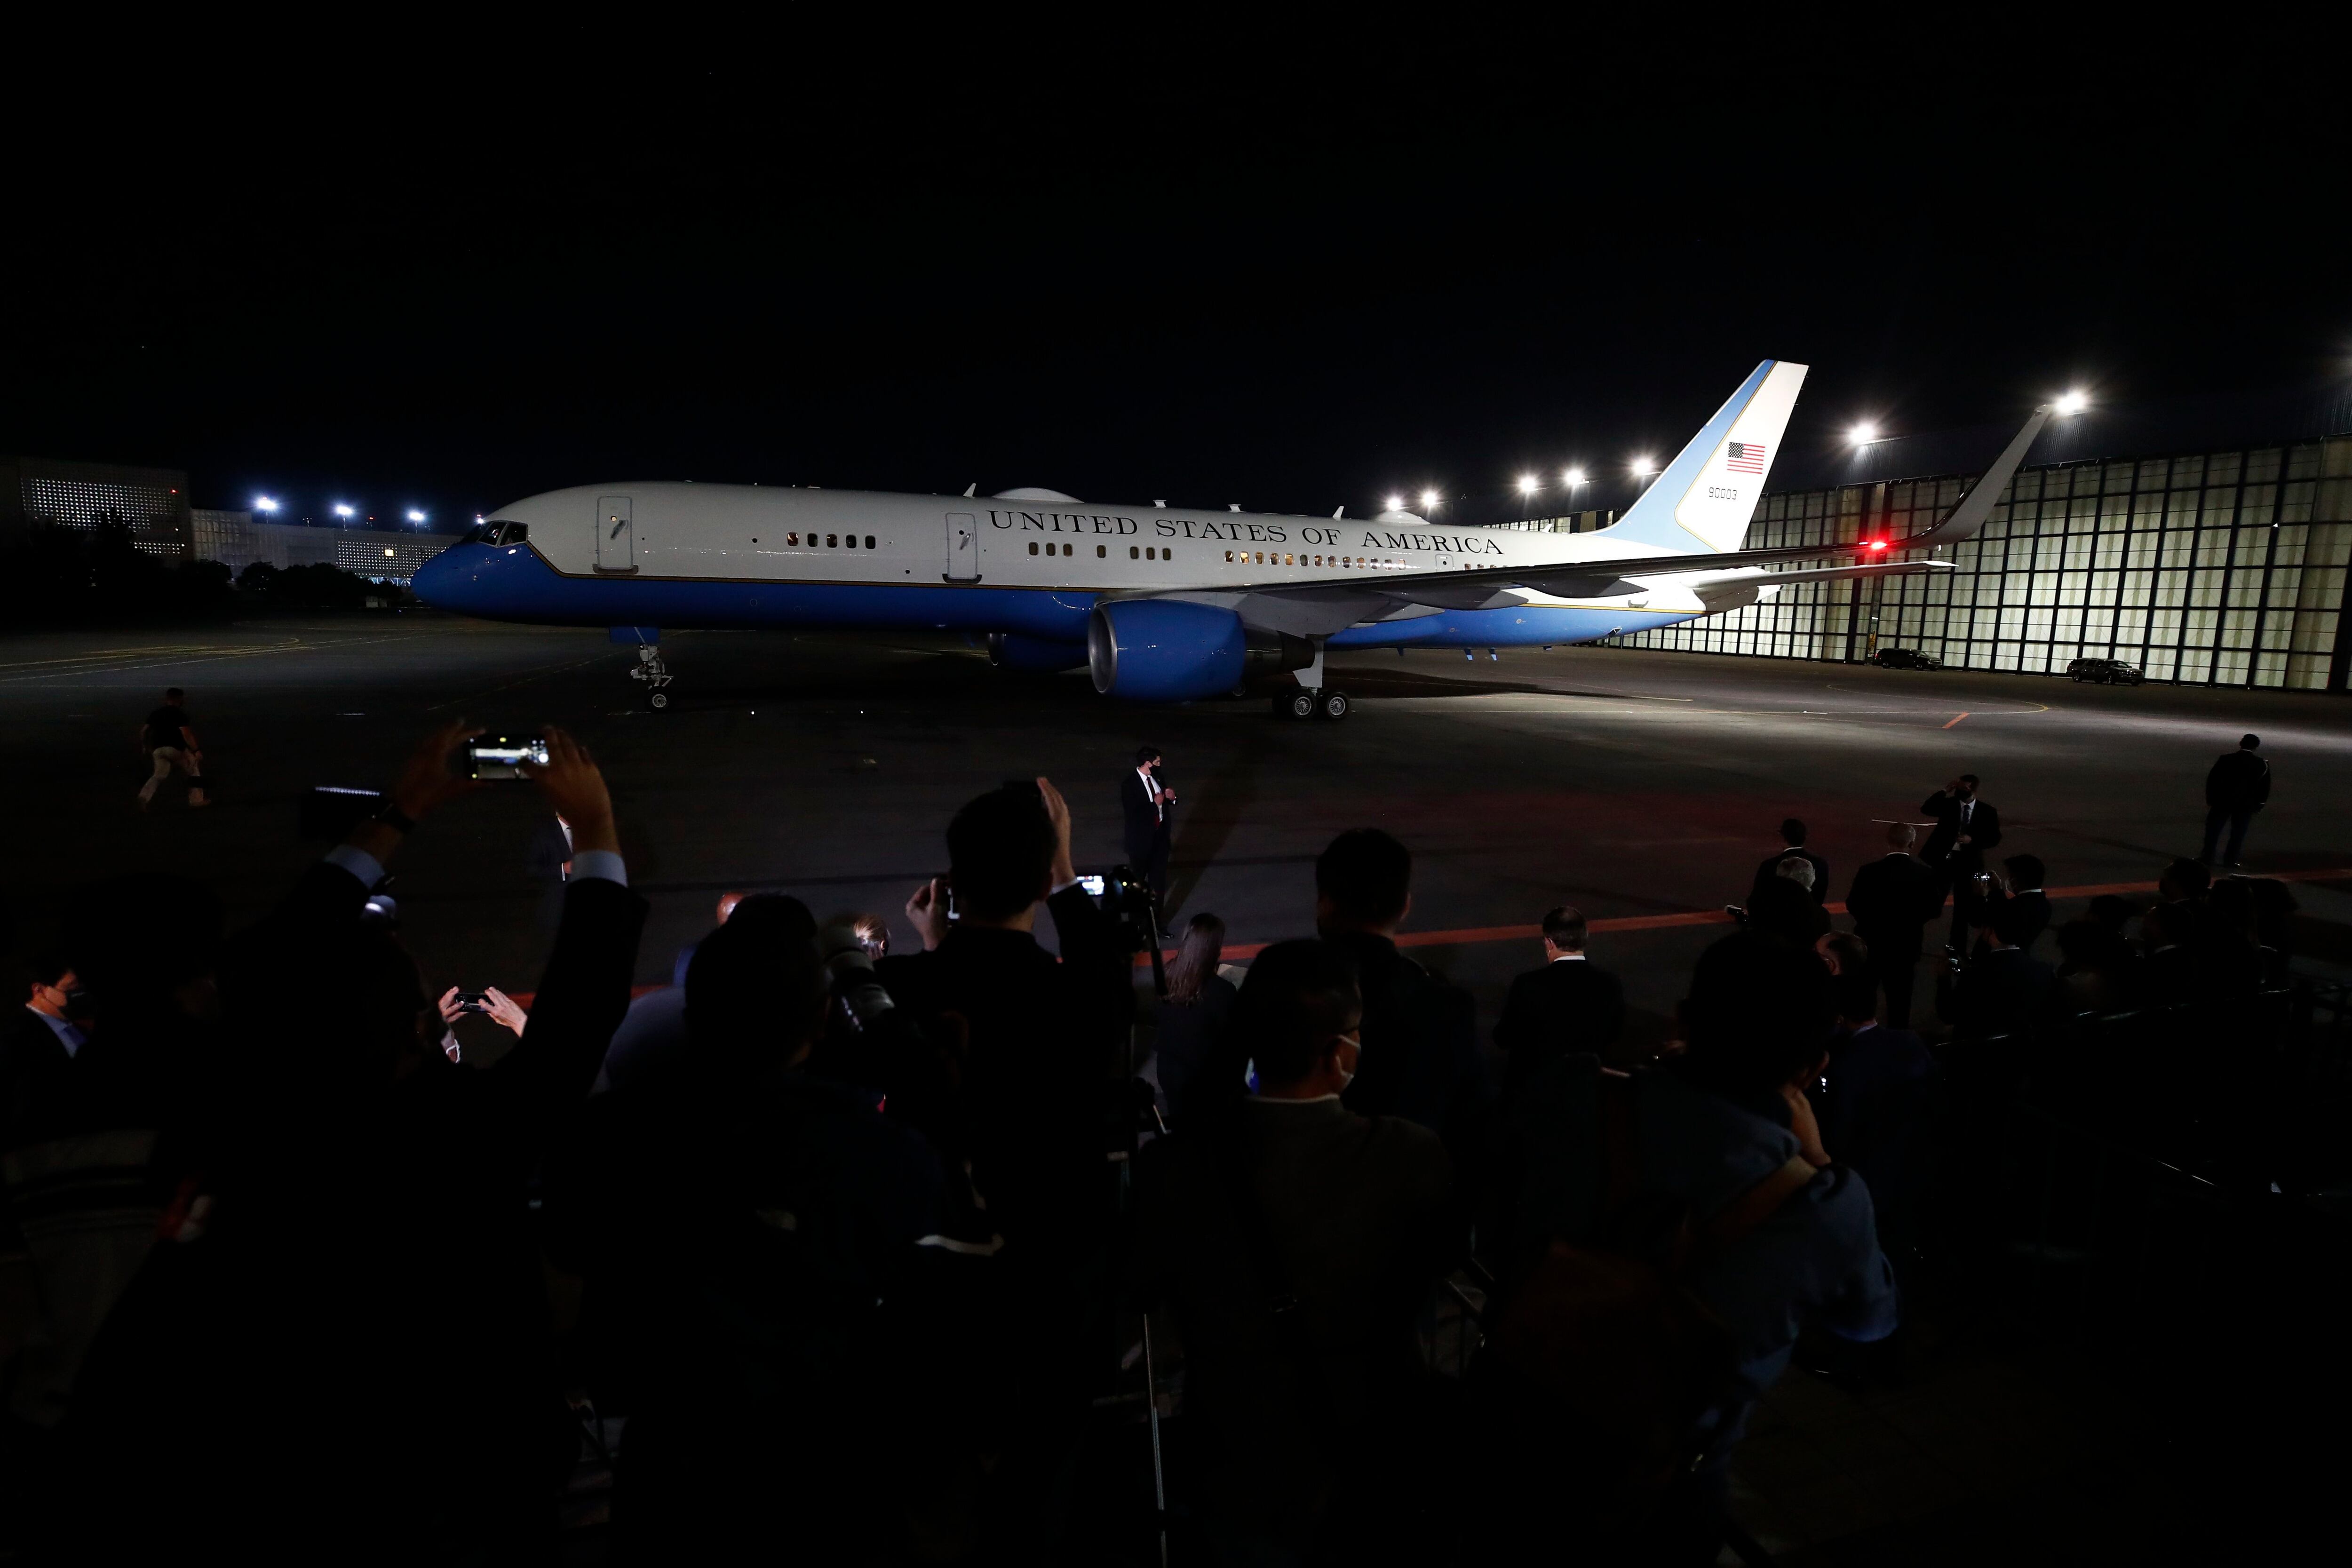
[1320, 608]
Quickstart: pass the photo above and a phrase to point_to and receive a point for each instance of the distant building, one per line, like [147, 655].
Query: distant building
[46, 493]
[237, 542]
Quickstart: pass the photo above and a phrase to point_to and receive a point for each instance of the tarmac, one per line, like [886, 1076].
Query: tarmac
[1641, 787]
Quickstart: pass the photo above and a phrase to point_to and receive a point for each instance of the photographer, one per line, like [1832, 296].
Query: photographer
[370, 1283]
[1040, 1041]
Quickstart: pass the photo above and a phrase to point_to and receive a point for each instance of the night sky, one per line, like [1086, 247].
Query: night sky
[1292, 284]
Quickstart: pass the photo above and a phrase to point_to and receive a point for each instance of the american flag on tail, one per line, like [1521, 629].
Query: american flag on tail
[1745, 457]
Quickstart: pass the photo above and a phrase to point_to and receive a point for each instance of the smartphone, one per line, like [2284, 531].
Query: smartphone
[1094, 885]
[473, 1001]
[502, 756]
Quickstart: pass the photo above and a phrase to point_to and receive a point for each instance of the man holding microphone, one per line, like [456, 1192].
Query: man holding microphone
[1149, 808]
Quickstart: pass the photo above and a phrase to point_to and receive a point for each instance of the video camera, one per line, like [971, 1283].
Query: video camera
[1124, 896]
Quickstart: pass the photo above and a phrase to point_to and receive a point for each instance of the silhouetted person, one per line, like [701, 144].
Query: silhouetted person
[2001, 990]
[2236, 787]
[1872, 1101]
[1966, 830]
[1149, 811]
[1568, 1006]
[1784, 908]
[1296, 1240]
[170, 741]
[1891, 901]
[1793, 836]
[1192, 1018]
[1420, 1041]
[2020, 892]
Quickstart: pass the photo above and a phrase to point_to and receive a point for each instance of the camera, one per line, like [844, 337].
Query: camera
[1127, 901]
[473, 1002]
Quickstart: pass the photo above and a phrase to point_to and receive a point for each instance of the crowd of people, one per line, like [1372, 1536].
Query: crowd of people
[845, 1237]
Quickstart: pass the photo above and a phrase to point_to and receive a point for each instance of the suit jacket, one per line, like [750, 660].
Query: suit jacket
[1769, 867]
[1566, 1006]
[2238, 780]
[1145, 828]
[1941, 848]
[1891, 901]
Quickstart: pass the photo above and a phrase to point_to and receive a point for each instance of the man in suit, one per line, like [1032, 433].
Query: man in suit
[1149, 809]
[1793, 836]
[1966, 829]
[1891, 901]
[2237, 787]
[1565, 1007]
[36, 1053]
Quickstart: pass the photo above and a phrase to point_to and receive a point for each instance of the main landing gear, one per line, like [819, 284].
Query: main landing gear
[654, 674]
[1313, 702]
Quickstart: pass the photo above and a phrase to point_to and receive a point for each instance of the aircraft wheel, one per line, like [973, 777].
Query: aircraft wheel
[657, 700]
[1298, 704]
[1331, 704]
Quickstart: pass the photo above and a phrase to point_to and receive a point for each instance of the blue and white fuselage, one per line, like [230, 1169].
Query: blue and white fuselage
[1163, 603]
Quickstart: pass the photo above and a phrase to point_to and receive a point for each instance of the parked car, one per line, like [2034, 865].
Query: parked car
[1904, 659]
[2105, 671]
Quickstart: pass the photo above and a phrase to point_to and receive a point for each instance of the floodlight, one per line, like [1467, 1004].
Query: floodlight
[2074, 402]
[1864, 434]
[1428, 501]
[416, 516]
[342, 510]
[1529, 484]
[1644, 467]
[1396, 503]
[264, 503]
[1572, 478]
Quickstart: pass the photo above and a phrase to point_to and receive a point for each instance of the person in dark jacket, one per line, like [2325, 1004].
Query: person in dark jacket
[2019, 890]
[2236, 787]
[1148, 822]
[1966, 830]
[2003, 987]
[1314, 1446]
[1041, 1040]
[1190, 1019]
[1793, 836]
[1871, 1101]
[1568, 1006]
[365, 1227]
[748, 1232]
[1891, 901]
[1420, 1033]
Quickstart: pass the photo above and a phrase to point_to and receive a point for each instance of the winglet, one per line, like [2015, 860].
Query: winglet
[1978, 505]
[1705, 495]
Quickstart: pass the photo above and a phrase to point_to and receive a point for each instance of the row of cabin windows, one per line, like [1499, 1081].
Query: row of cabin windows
[1102, 552]
[1276, 558]
[832, 541]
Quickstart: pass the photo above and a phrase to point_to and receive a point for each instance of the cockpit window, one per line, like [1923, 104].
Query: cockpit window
[474, 534]
[516, 533]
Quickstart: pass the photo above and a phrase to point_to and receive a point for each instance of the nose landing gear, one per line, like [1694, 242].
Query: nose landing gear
[654, 674]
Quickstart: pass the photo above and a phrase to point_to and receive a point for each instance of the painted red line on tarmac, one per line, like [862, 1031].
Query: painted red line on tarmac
[1465, 935]
[1956, 719]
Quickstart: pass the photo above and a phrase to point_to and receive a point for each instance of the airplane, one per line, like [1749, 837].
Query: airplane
[1162, 603]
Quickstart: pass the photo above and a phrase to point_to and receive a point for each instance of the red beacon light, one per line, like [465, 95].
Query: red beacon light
[1878, 544]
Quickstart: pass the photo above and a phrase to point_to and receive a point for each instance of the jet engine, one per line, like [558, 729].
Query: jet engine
[1011, 651]
[1161, 650]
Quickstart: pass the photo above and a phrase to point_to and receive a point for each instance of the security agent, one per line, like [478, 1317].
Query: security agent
[1149, 808]
[2236, 787]
[1966, 829]
[1891, 901]
[1566, 1006]
[1793, 838]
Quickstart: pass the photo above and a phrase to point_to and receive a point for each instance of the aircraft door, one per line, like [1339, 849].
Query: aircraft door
[616, 544]
[964, 548]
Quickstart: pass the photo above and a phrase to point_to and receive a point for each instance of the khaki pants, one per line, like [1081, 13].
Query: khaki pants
[165, 756]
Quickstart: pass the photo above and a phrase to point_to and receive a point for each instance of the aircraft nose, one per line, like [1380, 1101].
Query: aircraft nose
[436, 579]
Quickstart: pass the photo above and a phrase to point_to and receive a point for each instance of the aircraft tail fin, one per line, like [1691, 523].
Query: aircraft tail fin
[1703, 499]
